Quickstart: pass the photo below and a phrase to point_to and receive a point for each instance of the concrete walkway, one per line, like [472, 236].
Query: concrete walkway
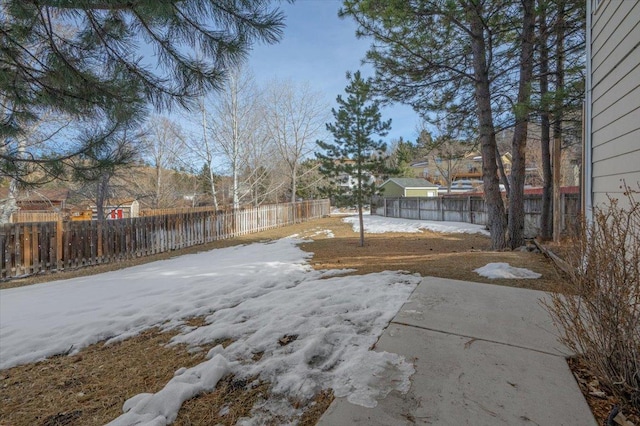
[483, 354]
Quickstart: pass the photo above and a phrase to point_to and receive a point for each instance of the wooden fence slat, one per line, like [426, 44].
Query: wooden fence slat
[472, 209]
[32, 247]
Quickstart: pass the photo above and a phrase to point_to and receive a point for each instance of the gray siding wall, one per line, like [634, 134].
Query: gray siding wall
[615, 97]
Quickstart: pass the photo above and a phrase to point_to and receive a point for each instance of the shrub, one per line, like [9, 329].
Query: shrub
[601, 323]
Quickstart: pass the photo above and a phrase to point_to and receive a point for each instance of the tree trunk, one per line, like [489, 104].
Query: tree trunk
[294, 182]
[212, 187]
[449, 176]
[487, 136]
[158, 184]
[546, 225]
[503, 175]
[101, 196]
[361, 221]
[519, 144]
[10, 205]
[212, 182]
[557, 120]
[235, 139]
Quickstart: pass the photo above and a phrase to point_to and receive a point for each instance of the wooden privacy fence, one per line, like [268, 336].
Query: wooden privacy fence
[31, 248]
[472, 209]
[23, 216]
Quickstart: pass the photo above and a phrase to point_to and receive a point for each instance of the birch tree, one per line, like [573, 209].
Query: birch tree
[236, 127]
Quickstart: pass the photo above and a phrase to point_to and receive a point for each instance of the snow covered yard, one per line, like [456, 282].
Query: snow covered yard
[285, 325]
[380, 225]
[255, 295]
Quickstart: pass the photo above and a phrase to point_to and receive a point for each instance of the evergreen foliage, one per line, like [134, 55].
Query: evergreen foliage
[89, 61]
[355, 155]
[475, 63]
[402, 153]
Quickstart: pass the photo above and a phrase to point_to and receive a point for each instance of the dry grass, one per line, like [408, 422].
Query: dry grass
[428, 253]
[90, 388]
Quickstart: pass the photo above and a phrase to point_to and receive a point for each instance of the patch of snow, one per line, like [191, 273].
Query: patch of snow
[47, 319]
[380, 225]
[335, 322]
[254, 294]
[326, 232]
[504, 270]
[161, 408]
[314, 233]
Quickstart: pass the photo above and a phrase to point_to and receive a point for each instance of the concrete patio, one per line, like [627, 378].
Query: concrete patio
[484, 355]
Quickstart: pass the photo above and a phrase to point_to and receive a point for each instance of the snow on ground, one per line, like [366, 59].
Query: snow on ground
[315, 232]
[379, 224]
[504, 270]
[326, 232]
[255, 294]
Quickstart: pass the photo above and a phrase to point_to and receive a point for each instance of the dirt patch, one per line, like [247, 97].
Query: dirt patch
[90, 388]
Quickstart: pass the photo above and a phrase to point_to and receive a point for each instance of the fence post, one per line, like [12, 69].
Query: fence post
[99, 241]
[59, 243]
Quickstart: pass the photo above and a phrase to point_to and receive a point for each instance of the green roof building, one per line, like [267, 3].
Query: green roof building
[408, 187]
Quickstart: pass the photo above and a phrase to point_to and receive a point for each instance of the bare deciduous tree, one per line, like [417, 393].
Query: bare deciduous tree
[237, 127]
[162, 145]
[296, 118]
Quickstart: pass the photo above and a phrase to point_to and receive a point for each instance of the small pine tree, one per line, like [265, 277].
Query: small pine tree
[355, 157]
[400, 159]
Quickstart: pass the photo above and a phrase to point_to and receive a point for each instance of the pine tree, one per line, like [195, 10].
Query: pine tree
[355, 155]
[89, 61]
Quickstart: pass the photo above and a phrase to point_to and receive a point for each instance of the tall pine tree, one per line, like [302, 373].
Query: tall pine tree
[354, 156]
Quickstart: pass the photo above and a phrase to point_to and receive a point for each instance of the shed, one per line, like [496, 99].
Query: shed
[408, 187]
[118, 209]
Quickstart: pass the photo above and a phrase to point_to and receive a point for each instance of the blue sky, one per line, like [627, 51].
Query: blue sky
[318, 47]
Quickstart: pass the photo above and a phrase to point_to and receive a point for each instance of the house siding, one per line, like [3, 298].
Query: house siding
[420, 192]
[392, 189]
[615, 98]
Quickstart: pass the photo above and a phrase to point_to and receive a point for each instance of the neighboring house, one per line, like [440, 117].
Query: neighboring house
[408, 187]
[467, 167]
[462, 185]
[420, 169]
[118, 209]
[612, 127]
[348, 182]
